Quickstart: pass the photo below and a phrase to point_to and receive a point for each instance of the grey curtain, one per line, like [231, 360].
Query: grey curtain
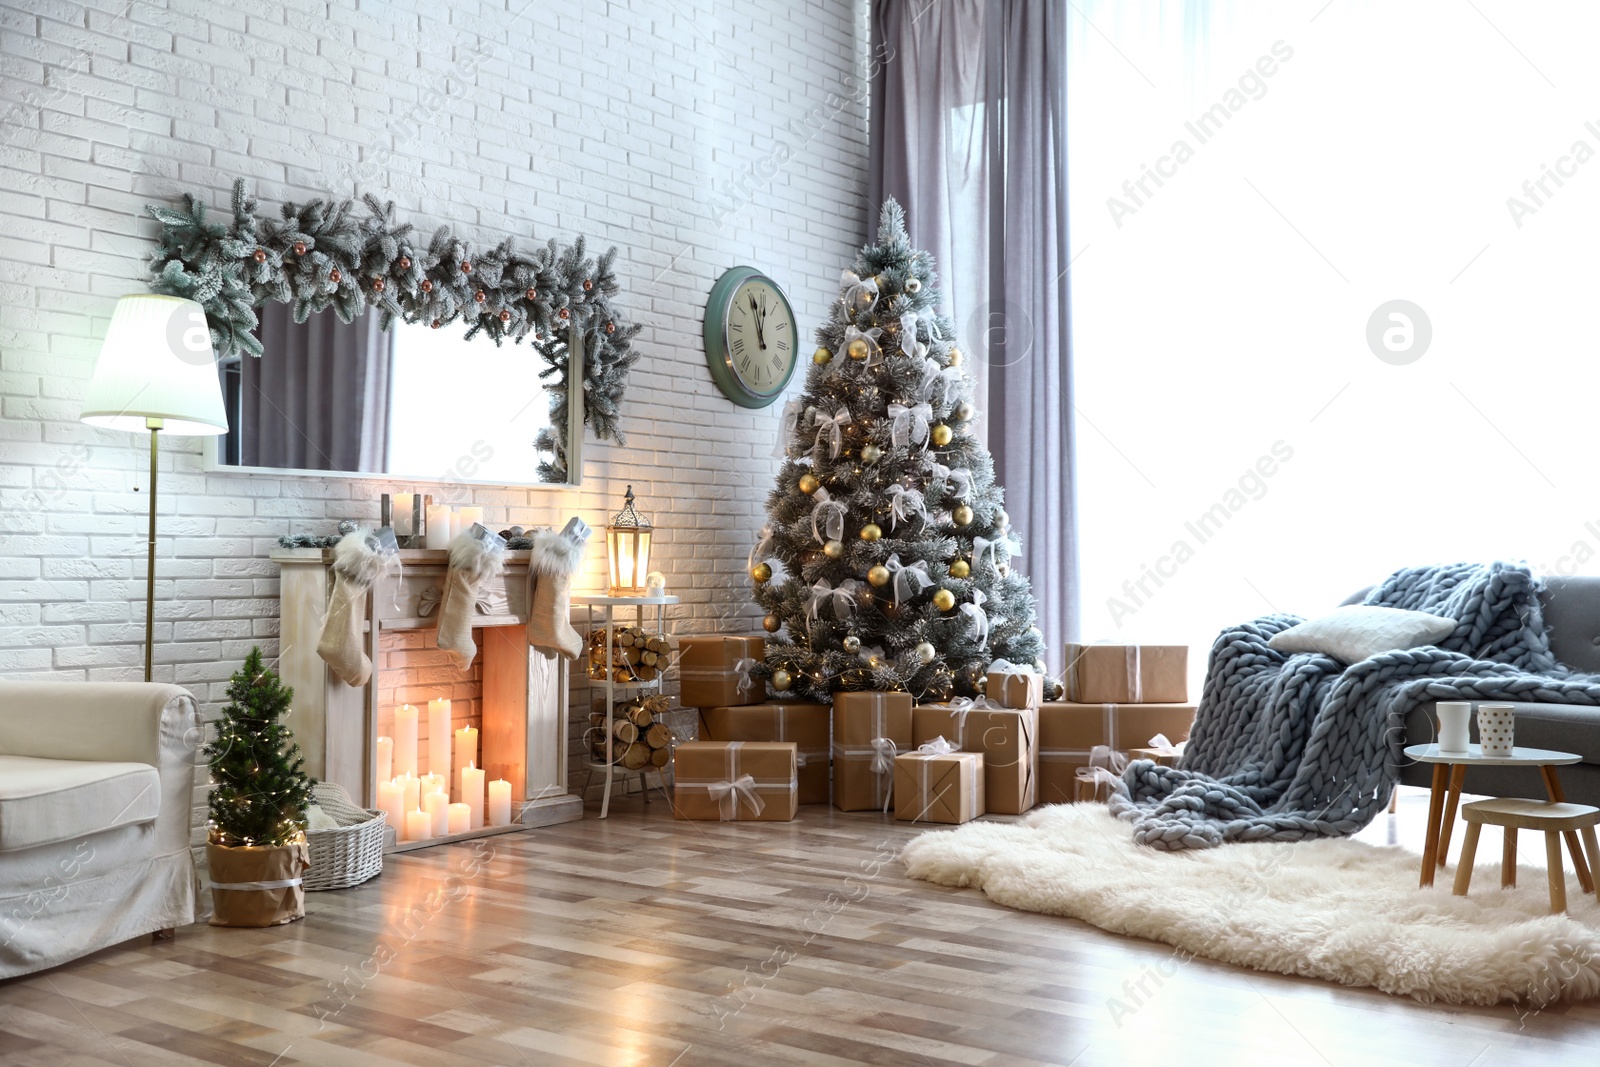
[968, 131]
[318, 398]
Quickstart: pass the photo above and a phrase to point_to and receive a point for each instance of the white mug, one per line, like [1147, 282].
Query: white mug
[1496, 728]
[1455, 717]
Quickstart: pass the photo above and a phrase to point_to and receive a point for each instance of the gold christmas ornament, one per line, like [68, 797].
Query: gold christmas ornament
[944, 600]
[871, 532]
[858, 349]
[870, 453]
[962, 515]
[771, 624]
[965, 412]
[925, 651]
[852, 644]
[960, 569]
[808, 483]
[761, 572]
[940, 435]
[781, 681]
[833, 549]
[879, 576]
[821, 356]
[955, 357]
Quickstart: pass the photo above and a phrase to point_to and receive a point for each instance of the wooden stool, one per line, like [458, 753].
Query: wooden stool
[1513, 814]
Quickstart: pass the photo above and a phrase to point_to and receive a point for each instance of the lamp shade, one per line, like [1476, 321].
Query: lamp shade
[156, 363]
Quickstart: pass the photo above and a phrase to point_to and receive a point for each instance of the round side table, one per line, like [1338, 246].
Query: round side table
[1450, 769]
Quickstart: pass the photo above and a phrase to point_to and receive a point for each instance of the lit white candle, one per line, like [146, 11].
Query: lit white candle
[438, 533]
[392, 798]
[470, 515]
[434, 783]
[437, 805]
[385, 759]
[411, 791]
[401, 516]
[455, 524]
[472, 793]
[439, 739]
[460, 818]
[419, 826]
[405, 739]
[500, 802]
[466, 752]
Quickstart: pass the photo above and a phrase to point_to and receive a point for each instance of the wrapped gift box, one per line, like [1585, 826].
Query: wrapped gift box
[1007, 739]
[743, 781]
[932, 787]
[1016, 688]
[869, 730]
[1067, 731]
[1167, 757]
[1089, 787]
[1127, 674]
[710, 674]
[809, 726]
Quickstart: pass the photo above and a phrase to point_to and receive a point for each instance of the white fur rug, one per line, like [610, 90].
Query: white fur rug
[1340, 910]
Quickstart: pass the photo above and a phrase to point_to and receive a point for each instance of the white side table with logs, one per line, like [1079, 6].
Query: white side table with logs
[609, 606]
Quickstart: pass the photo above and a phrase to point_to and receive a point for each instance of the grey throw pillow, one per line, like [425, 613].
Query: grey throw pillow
[1359, 631]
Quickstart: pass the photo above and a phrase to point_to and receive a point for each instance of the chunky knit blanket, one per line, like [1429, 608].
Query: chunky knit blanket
[1292, 746]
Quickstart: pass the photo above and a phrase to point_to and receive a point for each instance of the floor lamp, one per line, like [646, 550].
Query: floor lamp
[156, 373]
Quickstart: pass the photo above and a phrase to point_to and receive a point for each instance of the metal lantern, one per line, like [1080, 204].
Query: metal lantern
[628, 546]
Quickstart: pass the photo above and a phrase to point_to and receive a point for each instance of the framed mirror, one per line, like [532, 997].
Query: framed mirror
[402, 380]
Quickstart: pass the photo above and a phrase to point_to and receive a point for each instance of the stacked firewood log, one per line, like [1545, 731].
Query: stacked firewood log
[636, 655]
[639, 735]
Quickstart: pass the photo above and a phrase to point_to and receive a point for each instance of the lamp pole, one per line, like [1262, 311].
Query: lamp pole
[154, 426]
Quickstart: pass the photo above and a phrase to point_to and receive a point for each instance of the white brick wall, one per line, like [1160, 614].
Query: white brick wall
[649, 125]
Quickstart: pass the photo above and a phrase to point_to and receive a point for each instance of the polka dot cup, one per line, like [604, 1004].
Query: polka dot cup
[1496, 728]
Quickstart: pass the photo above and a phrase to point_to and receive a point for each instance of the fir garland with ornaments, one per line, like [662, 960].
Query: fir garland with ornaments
[259, 792]
[885, 563]
[322, 255]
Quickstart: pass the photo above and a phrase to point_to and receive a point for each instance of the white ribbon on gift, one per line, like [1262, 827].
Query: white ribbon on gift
[842, 598]
[727, 794]
[827, 517]
[980, 619]
[955, 484]
[883, 753]
[275, 883]
[904, 503]
[937, 747]
[762, 549]
[910, 579]
[743, 667]
[908, 337]
[832, 425]
[789, 425]
[909, 424]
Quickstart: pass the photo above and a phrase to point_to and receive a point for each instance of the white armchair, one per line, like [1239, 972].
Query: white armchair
[96, 786]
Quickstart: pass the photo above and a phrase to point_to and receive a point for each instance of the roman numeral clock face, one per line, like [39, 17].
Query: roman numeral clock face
[750, 336]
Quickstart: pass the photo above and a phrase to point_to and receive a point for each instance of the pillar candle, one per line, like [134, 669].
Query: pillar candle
[466, 752]
[439, 739]
[455, 524]
[405, 740]
[385, 759]
[419, 826]
[438, 533]
[434, 783]
[411, 791]
[402, 514]
[391, 798]
[472, 793]
[437, 805]
[469, 515]
[500, 803]
[460, 818]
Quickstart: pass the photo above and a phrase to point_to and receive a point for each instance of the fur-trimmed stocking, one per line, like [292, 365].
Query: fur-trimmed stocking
[472, 561]
[555, 559]
[355, 564]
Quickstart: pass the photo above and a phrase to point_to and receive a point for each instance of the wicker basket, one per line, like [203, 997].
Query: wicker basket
[350, 853]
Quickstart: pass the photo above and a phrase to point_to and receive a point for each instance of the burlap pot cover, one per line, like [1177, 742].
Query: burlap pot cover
[268, 884]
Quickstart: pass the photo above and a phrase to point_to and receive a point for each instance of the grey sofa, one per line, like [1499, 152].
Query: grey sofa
[1572, 616]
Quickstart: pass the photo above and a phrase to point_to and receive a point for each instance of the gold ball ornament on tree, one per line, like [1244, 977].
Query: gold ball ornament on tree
[871, 453]
[761, 572]
[925, 652]
[955, 357]
[944, 600]
[808, 483]
[821, 356]
[960, 569]
[833, 549]
[851, 644]
[781, 680]
[871, 532]
[771, 624]
[858, 349]
[939, 435]
[962, 515]
[879, 576]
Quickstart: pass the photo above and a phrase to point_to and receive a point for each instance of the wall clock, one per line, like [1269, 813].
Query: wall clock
[750, 336]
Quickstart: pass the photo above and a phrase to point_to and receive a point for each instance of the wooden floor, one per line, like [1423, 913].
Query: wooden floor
[641, 940]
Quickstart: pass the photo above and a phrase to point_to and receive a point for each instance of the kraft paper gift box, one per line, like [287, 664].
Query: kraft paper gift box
[1090, 786]
[1016, 687]
[809, 726]
[1127, 674]
[1167, 757]
[869, 731]
[713, 672]
[1067, 731]
[934, 787]
[1006, 738]
[743, 781]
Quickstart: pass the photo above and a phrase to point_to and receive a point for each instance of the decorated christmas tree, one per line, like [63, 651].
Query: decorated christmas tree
[259, 793]
[886, 560]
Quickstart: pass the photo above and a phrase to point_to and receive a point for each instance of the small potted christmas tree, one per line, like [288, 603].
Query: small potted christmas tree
[256, 848]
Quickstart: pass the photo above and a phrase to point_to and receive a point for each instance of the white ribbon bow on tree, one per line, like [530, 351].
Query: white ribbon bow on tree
[874, 349]
[908, 337]
[851, 286]
[904, 503]
[832, 425]
[955, 484]
[843, 599]
[937, 747]
[975, 612]
[789, 426]
[743, 667]
[827, 517]
[762, 549]
[909, 424]
[940, 381]
[910, 579]
[982, 546]
[728, 794]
